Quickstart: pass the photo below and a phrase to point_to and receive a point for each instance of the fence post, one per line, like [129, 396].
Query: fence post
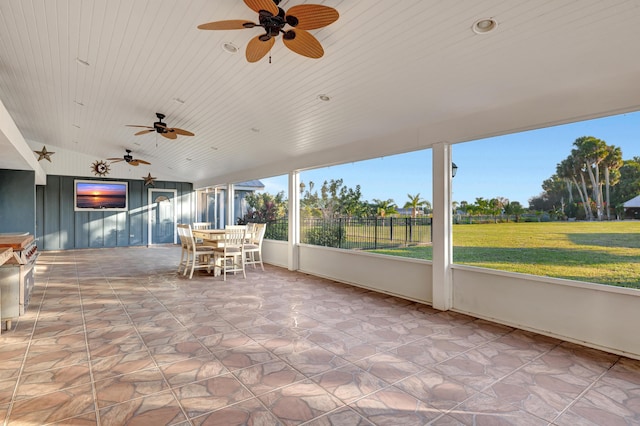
[431, 230]
[375, 233]
[391, 230]
[339, 232]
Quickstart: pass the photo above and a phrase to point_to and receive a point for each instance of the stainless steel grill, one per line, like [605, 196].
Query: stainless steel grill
[16, 276]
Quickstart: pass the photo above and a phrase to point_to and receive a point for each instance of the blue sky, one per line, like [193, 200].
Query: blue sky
[511, 166]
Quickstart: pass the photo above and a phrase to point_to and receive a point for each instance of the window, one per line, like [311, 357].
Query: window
[380, 205]
[538, 202]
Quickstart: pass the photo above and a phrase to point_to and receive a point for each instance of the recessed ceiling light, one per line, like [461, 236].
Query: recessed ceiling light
[484, 25]
[324, 98]
[82, 62]
[230, 47]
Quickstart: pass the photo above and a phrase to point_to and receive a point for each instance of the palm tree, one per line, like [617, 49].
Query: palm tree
[612, 164]
[514, 208]
[592, 152]
[571, 168]
[384, 206]
[414, 203]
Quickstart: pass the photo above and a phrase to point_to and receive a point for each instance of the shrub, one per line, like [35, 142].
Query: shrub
[328, 236]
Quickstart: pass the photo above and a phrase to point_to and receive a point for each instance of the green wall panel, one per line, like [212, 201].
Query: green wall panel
[17, 201]
[64, 228]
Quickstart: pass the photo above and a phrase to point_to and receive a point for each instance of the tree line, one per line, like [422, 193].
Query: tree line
[592, 183]
[497, 208]
[331, 200]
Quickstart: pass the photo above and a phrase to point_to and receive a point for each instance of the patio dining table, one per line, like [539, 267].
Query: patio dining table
[210, 237]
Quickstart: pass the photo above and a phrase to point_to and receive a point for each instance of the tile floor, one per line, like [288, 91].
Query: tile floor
[114, 336]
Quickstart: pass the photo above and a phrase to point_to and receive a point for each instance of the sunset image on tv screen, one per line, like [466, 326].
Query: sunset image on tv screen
[101, 195]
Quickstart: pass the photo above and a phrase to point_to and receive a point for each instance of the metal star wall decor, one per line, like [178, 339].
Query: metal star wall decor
[149, 180]
[44, 154]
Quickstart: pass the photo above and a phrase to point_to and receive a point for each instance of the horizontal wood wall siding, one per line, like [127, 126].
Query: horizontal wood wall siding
[59, 227]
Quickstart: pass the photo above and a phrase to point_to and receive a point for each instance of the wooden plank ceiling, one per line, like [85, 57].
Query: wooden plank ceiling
[400, 75]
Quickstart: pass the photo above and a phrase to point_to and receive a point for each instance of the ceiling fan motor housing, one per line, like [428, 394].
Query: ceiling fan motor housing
[273, 24]
[160, 127]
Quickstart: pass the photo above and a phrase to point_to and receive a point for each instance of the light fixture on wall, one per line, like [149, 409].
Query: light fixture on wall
[454, 170]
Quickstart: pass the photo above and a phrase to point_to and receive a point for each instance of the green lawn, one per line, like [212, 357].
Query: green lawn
[600, 252]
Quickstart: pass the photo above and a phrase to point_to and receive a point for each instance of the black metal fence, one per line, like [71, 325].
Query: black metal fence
[277, 230]
[357, 233]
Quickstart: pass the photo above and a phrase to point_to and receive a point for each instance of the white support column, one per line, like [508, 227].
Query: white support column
[441, 228]
[294, 220]
[231, 197]
[215, 207]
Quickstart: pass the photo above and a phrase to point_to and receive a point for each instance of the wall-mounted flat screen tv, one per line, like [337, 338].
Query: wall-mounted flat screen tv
[100, 195]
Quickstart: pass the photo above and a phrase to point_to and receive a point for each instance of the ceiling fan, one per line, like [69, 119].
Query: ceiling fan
[273, 19]
[129, 159]
[160, 127]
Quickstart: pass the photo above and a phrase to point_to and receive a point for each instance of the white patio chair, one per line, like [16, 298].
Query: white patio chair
[200, 225]
[197, 256]
[229, 256]
[253, 248]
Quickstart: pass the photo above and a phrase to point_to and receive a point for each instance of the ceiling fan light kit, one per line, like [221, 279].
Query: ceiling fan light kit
[273, 20]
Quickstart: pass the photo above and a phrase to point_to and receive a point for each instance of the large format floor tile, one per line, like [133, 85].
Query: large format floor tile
[115, 336]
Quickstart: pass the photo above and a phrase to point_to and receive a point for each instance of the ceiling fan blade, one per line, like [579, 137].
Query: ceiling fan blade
[236, 24]
[133, 162]
[169, 135]
[304, 44]
[256, 49]
[313, 16]
[181, 131]
[137, 160]
[258, 5]
[115, 160]
[142, 132]
[136, 125]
